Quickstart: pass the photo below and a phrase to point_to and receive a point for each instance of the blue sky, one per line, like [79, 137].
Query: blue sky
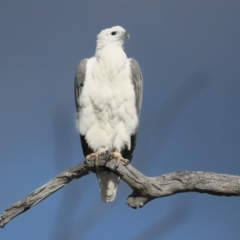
[189, 52]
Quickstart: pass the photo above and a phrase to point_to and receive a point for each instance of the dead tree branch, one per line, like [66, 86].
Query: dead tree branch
[144, 188]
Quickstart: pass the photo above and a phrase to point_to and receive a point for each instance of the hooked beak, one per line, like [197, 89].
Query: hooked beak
[126, 35]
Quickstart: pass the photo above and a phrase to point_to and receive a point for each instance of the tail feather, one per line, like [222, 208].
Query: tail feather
[108, 183]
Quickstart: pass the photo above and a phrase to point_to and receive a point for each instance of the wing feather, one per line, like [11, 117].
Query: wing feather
[137, 81]
[80, 77]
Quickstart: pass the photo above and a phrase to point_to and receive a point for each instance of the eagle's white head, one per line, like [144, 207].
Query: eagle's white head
[112, 36]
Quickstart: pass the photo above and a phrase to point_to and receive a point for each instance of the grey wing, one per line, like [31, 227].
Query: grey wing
[80, 77]
[137, 83]
[79, 81]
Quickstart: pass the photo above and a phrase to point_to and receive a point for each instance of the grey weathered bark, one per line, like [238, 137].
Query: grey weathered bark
[144, 188]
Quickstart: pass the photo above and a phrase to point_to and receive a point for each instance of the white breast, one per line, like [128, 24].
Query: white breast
[108, 115]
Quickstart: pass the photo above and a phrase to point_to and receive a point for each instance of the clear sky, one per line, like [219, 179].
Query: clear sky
[189, 52]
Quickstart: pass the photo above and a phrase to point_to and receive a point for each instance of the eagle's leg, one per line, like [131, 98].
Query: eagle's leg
[95, 156]
[118, 156]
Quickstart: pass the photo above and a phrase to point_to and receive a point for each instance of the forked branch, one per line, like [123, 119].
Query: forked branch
[144, 188]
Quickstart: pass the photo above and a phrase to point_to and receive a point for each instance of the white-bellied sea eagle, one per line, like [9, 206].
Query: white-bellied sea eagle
[108, 94]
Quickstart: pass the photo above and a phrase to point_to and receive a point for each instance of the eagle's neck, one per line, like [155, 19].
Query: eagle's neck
[111, 58]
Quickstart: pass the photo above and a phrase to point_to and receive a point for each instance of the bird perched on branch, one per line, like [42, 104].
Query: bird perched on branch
[108, 94]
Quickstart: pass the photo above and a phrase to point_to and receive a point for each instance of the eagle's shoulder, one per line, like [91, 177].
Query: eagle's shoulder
[79, 79]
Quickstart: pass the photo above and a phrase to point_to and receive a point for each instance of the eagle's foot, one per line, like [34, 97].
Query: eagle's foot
[119, 158]
[95, 156]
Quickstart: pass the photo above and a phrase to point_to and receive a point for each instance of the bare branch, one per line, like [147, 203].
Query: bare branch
[43, 192]
[144, 188]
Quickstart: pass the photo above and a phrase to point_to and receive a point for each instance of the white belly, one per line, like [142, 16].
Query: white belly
[108, 115]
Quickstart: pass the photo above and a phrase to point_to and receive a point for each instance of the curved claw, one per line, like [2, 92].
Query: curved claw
[95, 156]
[126, 163]
[87, 161]
[119, 158]
[115, 167]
